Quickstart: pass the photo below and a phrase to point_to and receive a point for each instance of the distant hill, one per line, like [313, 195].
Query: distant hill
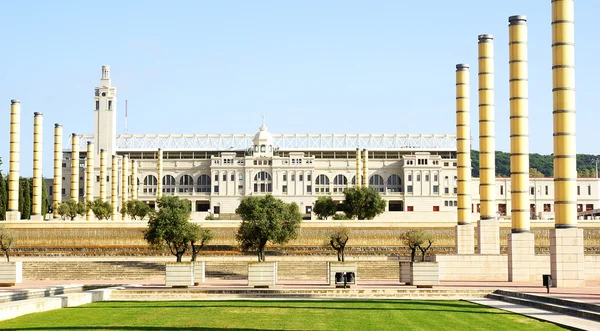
[539, 165]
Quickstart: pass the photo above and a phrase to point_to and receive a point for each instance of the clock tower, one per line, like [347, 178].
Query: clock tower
[105, 116]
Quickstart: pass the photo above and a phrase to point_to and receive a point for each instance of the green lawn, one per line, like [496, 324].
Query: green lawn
[277, 315]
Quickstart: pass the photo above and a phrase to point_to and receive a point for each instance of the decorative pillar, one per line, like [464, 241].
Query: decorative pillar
[521, 251]
[124, 186]
[114, 184]
[103, 175]
[89, 179]
[13, 214]
[357, 182]
[566, 240]
[465, 235]
[160, 174]
[134, 180]
[74, 167]
[36, 201]
[365, 179]
[57, 183]
[488, 226]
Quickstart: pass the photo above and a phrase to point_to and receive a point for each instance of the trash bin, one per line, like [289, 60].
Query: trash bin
[547, 280]
[350, 277]
[339, 278]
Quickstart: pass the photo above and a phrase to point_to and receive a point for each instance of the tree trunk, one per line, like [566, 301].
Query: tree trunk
[7, 256]
[342, 250]
[179, 255]
[194, 254]
[412, 254]
[339, 255]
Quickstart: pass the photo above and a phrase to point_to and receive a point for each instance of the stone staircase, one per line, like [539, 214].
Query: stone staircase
[562, 306]
[226, 270]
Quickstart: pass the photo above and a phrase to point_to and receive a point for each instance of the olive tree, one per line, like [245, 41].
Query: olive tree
[6, 241]
[136, 209]
[70, 209]
[199, 240]
[324, 207]
[417, 239]
[170, 226]
[266, 219]
[338, 239]
[363, 203]
[101, 209]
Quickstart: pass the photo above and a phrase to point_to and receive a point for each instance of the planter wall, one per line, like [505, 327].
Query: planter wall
[405, 270]
[11, 273]
[262, 274]
[179, 274]
[425, 274]
[199, 272]
[333, 267]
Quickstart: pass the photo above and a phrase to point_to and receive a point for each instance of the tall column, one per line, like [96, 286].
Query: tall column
[465, 235]
[124, 185]
[357, 182]
[13, 214]
[57, 183]
[74, 167]
[365, 179]
[566, 240]
[160, 173]
[114, 184]
[520, 242]
[488, 226]
[89, 178]
[103, 174]
[134, 187]
[36, 201]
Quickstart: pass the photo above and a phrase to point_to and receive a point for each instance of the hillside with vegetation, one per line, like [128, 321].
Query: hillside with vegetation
[539, 165]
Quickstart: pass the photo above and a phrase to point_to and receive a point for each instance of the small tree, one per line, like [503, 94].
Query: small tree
[71, 209]
[170, 226]
[101, 209]
[136, 209]
[324, 207]
[417, 239]
[200, 239]
[427, 242]
[338, 239]
[6, 241]
[266, 219]
[363, 203]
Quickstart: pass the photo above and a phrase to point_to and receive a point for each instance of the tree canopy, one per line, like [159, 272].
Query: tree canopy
[71, 208]
[101, 209]
[266, 219]
[170, 226]
[324, 207]
[363, 203]
[338, 238]
[6, 241]
[136, 209]
[417, 239]
[199, 240]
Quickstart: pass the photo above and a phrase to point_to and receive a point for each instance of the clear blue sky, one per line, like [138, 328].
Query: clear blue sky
[309, 66]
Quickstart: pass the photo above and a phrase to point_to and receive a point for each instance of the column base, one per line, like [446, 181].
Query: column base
[36, 217]
[521, 255]
[13, 215]
[488, 235]
[465, 239]
[566, 257]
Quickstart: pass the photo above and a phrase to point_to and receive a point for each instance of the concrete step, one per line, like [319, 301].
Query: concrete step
[567, 307]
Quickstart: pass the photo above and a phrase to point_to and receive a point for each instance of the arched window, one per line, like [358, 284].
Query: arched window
[150, 183]
[354, 180]
[340, 183]
[203, 184]
[186, 184]
[168, 182]
[394, 183]
[322, 184]
[376, 182]
[263, 182]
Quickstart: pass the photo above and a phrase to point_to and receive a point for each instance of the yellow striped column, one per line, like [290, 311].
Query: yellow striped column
[160, 173]
[74, 167]
[57, 183]
[488, 227]
[124, 186]
[365, 179]
[134, 180]
[520, 242]
[13, 214]
[566, 240]
[465, 236]
[103, 174]
[38, 133]
[114, 184]
[358, 181]
[89, 178]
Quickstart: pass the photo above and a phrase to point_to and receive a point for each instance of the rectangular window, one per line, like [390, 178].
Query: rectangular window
[109, 104]
[436, 208]
[97, 178]
[233, 178]
[426, 178]
[216, 189]
[241, 177]
[589, 190]
[308, 188]
[224, 178]
[308, 177]
[547, 207]
[578, 190]
[240, 187]
[436, 189]
[501, 189]
[97, 105]
[418, 178]
[435, 178]
[216, 178]
[446, 203]
[409, 208]
[409, 189]
[293, 178]
[455, 203]
[80, 192]
[446, 190]
[589, 206]
[284, 178]
[532, 191]
[300, 178]
[63, 191]
[455, 190]
[410, 178]
[546, 189]
[284, 188]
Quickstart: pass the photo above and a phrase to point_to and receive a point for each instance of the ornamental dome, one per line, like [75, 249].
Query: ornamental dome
[263, 138]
